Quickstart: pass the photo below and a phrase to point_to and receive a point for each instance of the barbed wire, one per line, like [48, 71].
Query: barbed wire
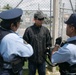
[18, 3]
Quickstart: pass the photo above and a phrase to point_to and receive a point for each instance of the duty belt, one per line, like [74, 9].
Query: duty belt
[7, 66]
[70, 73]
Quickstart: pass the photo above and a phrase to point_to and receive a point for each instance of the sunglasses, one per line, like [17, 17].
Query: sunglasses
[40, 19]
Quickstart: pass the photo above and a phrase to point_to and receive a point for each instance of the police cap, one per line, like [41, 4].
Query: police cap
[71, 20]
[11, 14]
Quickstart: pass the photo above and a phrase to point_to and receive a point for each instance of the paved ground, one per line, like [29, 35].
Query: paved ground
[52, 73]
[48, 72]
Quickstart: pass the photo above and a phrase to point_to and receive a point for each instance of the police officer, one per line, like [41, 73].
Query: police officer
[39, 37]
[11, 44]
[65, 56]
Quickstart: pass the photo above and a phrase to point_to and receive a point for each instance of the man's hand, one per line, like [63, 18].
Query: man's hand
[58, 40]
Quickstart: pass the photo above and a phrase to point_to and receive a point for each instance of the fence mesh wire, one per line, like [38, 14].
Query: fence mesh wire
[29, 7]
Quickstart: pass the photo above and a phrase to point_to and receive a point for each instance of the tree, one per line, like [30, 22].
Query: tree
[7, 7]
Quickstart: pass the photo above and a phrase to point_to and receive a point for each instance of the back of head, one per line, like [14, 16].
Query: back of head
[10, 16]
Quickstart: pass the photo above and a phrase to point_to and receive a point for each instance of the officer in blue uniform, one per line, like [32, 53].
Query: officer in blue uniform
[12, 46]
[66, 55]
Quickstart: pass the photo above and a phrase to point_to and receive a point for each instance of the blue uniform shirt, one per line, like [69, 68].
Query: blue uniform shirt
[12, 45]
[67, 53]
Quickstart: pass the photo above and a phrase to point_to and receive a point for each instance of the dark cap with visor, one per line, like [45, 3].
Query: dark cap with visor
[39, 15]
[71, 20]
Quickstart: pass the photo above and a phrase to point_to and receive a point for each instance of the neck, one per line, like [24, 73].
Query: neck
[37, 25]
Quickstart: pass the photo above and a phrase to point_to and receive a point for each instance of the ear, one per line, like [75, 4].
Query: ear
[73, 28]
[12, 26]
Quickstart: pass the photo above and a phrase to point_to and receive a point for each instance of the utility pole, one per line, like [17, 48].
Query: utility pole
[55, 20]
[55, 23]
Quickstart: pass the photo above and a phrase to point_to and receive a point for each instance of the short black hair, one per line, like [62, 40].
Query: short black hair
[7, 23]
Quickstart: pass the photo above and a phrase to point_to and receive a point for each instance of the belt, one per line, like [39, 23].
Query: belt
[68, 73]
[7, 66]
[71, 74]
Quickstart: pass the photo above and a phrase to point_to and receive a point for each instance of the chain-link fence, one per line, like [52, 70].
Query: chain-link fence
[29, 7]
[27, 20]
[66, 8]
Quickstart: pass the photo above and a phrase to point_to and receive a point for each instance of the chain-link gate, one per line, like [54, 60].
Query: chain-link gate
[29, 8]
